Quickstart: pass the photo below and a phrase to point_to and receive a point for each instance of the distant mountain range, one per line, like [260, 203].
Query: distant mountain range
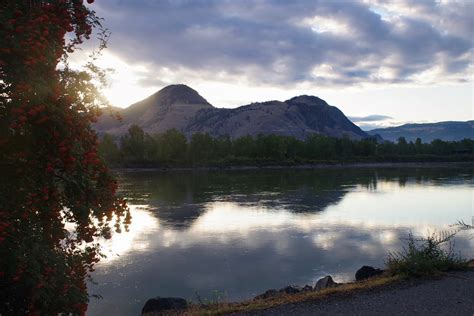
[180, 107]
[449, 131]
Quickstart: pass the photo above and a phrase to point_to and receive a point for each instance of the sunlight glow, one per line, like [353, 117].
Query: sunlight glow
[124, 87]
[133, 240]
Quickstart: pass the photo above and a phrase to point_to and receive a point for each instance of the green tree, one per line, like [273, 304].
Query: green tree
[402, 146]
[173, 146]
[365, 147]
[320, 147]
[418, 146]
[133, 145]
[109, 150]
[201, 148]
[222, 147]
[344, 147]
[439, 147]
[244, 147]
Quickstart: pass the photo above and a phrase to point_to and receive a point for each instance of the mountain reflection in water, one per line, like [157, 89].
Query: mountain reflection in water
[244, 232]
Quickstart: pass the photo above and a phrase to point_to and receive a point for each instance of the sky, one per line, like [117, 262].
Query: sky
[383, 63]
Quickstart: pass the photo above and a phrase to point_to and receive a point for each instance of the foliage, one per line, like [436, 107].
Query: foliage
[133, 144]
[425, 256]
[56, 195]
[138, 148]
[109, 150]
[171, 146]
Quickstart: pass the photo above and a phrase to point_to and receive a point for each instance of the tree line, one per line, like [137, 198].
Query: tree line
[137, 148]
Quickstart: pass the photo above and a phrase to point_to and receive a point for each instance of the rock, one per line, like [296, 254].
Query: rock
[367, 272]
[290, 289]
[267, 294]
[307, 288]
[470, 263]
[157, 305]
[324, 283]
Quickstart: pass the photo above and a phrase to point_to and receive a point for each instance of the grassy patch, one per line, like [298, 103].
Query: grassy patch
[426, 256]
[251, 305]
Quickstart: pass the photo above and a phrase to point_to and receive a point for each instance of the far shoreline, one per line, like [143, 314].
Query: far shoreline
[305, 166]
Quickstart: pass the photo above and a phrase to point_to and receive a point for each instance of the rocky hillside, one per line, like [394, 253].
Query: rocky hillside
[448, 131]
[172, 107]
[180, 107]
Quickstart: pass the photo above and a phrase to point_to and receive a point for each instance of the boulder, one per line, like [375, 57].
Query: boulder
[267, 294]
[367, 272]
[290, 289]
[307, 288]
[324, 283]
[158, 305]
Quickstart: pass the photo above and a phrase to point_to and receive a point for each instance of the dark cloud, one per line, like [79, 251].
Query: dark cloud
[370, 118]
[292, 42]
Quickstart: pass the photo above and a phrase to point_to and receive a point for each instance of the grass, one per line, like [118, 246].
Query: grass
[426, 256]
[252, 305]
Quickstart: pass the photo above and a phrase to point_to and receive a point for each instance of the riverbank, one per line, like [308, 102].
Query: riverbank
[446, 293]
[423, 260]
[320, 165]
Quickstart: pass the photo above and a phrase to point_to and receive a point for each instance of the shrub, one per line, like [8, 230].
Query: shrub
[425, 256]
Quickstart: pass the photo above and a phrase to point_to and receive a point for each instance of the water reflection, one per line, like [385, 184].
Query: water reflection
[144, 223]
[244, 232]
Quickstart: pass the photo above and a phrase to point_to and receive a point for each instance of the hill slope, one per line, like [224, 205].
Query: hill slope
[171, 107]
[182, 108]
[448, 131]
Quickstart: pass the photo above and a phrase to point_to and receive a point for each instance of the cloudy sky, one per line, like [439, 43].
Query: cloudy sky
[381, 62]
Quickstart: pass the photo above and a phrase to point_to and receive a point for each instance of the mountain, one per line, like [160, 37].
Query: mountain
[171, 107]
[448, 131]
[182, 108]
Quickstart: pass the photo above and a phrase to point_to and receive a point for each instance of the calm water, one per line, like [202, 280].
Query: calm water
[243, 232]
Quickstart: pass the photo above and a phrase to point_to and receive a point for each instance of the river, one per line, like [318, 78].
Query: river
[230, 235]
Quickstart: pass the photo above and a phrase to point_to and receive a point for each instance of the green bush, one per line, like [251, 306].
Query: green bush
[425, 256]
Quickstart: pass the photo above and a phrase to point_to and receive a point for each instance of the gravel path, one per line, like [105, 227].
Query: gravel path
[450, 295]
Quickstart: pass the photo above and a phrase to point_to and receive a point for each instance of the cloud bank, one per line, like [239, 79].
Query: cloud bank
[290, 43]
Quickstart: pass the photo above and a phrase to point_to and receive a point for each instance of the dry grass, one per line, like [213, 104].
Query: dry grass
[251, 305]
[345, 289]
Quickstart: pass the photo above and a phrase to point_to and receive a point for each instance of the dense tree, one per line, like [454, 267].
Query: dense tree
[320, 147]
[56, 195]
[173, 149]
[201, 148]
[244, 146]
[222, 147]
[172, 145]
[109, 150]
[133, 145]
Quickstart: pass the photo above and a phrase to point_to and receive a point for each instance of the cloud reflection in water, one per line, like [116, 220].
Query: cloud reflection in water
[223, 237]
